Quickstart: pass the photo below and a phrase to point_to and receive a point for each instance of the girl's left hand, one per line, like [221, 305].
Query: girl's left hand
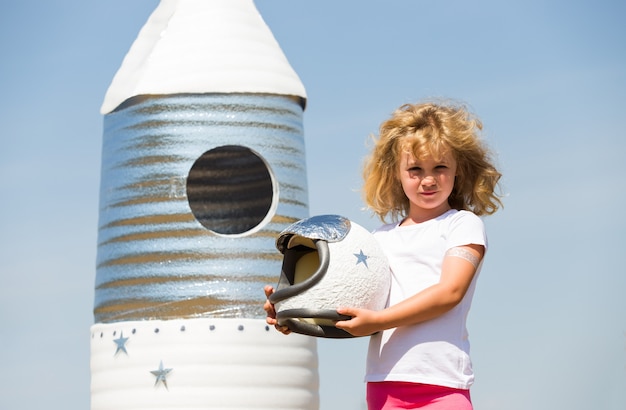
[364, 322]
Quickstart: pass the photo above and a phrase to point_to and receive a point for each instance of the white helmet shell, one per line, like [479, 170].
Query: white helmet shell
[328, 262]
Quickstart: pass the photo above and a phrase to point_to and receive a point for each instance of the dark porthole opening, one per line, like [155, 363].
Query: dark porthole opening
[230, 190]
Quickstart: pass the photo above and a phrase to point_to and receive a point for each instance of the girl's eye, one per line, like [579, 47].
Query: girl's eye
[414, 172]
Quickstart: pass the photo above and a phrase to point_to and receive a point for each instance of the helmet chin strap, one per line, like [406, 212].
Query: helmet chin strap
[286, 287]
[296, 321]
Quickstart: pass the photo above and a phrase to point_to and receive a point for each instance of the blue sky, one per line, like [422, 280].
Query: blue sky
[548, 79]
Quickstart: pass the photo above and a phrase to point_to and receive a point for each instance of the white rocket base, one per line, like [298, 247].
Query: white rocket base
[201, 364]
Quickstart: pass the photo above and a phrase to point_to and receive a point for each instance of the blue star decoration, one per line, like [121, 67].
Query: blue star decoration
[161, 375]
[361, 258]
[121, 344]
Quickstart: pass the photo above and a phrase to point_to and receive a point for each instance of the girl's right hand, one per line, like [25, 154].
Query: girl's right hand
[271, 312]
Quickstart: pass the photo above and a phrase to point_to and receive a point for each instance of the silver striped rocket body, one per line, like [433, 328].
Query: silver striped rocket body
[194, 189]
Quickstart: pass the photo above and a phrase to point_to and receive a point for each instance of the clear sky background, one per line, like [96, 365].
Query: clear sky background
[548, 79]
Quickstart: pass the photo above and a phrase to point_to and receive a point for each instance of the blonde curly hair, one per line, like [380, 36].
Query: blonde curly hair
[431, 130]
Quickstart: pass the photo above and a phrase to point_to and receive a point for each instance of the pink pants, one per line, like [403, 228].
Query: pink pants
[401, 395]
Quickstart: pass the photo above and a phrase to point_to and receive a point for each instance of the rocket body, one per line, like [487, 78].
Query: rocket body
[203, 165]
[194, 190]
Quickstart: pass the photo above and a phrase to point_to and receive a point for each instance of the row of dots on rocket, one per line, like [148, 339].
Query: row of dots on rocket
[212, 328]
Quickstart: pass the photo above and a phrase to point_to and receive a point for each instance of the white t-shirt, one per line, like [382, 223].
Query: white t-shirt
[436, 351]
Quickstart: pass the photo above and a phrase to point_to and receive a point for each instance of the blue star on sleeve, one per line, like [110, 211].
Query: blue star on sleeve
[361, 258]
[161, 375]
[121, 344]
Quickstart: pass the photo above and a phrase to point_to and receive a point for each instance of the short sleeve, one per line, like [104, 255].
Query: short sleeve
[466, 228]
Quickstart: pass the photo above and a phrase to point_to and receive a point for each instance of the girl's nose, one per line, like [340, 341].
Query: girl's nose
[429, 181]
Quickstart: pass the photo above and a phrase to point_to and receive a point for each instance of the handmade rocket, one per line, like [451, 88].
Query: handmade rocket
[203, 165]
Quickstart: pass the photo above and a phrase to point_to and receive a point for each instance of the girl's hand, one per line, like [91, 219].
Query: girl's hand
[364, 322]
[271, 312]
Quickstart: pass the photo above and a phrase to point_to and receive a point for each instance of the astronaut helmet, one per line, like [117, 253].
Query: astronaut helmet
[328, 262]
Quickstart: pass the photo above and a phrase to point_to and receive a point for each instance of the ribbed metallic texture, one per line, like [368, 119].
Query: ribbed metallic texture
[156, 260]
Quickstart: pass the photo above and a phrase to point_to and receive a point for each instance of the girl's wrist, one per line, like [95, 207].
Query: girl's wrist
[382, 320]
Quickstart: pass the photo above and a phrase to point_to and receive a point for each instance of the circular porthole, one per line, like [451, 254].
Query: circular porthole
[230, 190]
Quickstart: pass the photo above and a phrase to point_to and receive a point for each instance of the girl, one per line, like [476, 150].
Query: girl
[431, 174]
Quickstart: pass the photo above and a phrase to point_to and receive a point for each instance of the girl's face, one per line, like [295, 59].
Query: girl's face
[427, 183]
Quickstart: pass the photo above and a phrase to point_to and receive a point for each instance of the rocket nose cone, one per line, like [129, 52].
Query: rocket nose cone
[197, 46]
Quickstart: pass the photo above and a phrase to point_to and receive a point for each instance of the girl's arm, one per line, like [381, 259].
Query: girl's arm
[457, 272]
